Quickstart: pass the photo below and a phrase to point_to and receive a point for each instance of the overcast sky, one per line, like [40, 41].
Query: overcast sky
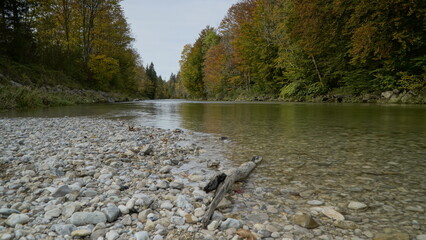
[162, 27]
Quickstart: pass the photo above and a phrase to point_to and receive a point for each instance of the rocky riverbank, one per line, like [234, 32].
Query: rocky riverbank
[89, 178]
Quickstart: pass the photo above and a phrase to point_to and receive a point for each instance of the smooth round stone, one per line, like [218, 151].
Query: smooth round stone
[8, 211]
[333, 214]
[15, 219]
[315, 202]
[62, 191]
[356, 205]
[56, 212]
[6, 236]
[112, 235]
[84, 218]
[142, 235]
[199, 212]
[421, 237]
[230, 223]
[111, 212]
[81, 233]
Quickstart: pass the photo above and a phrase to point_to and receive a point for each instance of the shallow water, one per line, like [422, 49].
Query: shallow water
[335, 153]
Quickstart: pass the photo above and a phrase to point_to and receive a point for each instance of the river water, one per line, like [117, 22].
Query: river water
[335, 153]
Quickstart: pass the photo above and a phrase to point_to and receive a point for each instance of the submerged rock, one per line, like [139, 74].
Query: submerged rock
[305, 220]
[357, 205]
[333, 214]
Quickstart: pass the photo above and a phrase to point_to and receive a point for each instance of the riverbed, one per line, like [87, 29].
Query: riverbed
[315, 156]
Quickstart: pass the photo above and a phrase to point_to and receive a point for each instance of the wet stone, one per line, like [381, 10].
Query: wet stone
[305, 220]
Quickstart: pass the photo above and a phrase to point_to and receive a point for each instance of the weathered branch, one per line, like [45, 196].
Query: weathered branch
[235, 174]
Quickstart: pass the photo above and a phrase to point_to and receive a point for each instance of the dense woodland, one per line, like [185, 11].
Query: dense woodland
[88, 42]
[263, 49]
[298, 48]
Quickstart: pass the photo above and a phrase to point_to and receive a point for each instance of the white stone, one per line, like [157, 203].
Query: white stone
[142, 235]
[231, 223]
[130, 204]
[213, 225]
[356, 205]
[166, 205]
[56, 212]
[69, 209]
[123, 209]
[183, 202]
[112, 235]
[333, 214]
[315, 202]
[199, 212]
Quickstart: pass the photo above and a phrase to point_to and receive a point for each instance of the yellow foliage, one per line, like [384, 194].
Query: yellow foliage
[104, 69]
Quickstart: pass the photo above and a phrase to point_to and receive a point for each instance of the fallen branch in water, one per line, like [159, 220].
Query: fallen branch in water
[223, 182]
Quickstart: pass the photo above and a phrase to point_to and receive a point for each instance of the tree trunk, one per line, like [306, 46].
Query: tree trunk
[316, 68]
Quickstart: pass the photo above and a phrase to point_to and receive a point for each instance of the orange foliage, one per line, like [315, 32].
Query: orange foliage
[214, 69]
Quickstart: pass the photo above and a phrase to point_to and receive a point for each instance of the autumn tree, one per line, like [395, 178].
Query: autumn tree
[192, 62]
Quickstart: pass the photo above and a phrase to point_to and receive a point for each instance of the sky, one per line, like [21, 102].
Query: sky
[162, 27]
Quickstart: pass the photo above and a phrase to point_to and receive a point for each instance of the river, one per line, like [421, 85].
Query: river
[335, 153]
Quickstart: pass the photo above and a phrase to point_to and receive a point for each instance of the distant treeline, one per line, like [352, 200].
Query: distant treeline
[297, 48]
[87, 40]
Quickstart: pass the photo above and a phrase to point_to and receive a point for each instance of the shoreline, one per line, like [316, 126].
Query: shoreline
[15, 97]
[128, 184]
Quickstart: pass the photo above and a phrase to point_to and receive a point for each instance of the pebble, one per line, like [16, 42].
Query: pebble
[56, 212]
[15, 219]
[63, 229]
[84, 218]
[111, 212]
[213, 225]
[421, 237]
[112, 235]
[62, 191]
[81, 233]
[142, 235]
[7, 211]
[305, 220]
[231, 223]
[357, 205]
[315, 202]
[333, 214]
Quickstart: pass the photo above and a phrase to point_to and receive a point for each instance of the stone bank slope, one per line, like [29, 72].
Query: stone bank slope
[70, 178]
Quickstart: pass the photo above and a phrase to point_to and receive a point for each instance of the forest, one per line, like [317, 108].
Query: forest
[292, 50]
[83, 44]
[299, 49]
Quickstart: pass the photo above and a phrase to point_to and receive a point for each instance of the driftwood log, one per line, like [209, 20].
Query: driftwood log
[223, 182]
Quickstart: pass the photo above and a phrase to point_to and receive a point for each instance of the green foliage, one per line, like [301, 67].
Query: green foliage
[302, 48]
[104, 69]
[294, 89]
[191, 71]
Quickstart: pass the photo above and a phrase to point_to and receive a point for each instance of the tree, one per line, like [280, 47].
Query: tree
[16, 22]
[152, 78]
[215, 70]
